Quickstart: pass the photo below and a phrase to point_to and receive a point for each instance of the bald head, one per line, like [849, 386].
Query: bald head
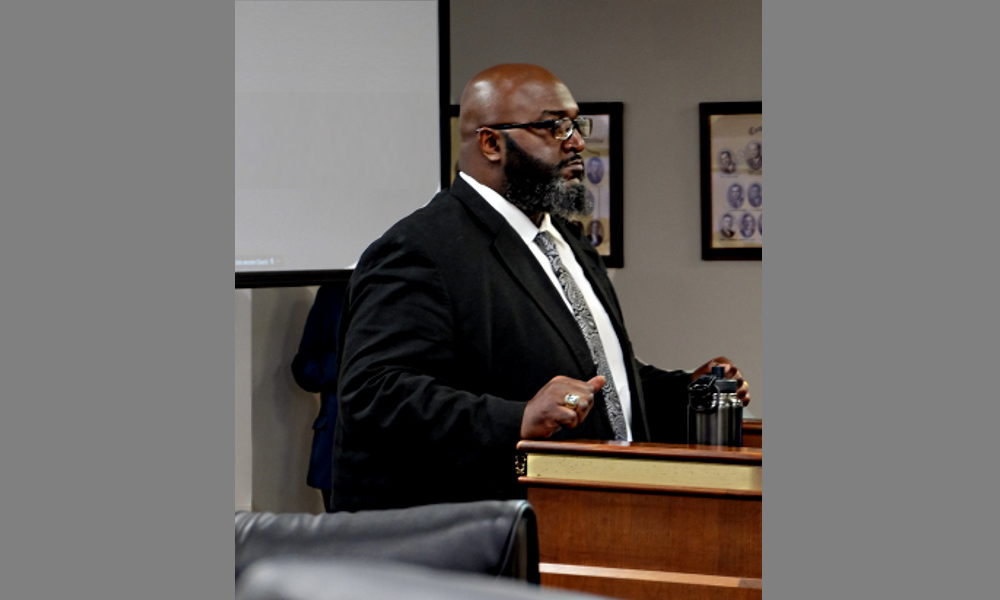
[507, 93]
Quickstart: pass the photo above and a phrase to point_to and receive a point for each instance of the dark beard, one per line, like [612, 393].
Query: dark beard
[535, 187]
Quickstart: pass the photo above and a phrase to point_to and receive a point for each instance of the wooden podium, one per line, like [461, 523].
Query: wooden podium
[646, 521]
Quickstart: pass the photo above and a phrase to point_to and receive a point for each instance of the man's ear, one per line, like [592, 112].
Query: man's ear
[491, 145]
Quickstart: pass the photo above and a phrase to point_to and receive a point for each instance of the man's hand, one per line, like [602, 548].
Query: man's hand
[547, 412]
[743, 392]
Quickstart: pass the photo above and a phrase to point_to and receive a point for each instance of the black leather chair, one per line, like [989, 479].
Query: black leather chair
[344, 579]
[497, 538]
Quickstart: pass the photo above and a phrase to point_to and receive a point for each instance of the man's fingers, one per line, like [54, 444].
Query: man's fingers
[584, 399]
[563, 403]
[567, 417]
[744, 392]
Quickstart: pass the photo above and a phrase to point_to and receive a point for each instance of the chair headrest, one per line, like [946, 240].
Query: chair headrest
[494, 537]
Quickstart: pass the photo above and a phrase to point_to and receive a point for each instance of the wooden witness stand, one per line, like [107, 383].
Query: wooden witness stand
[648, 521]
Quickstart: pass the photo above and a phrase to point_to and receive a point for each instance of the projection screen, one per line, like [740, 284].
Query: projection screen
[340, 121]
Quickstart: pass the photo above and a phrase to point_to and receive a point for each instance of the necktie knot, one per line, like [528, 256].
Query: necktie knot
[547, 243]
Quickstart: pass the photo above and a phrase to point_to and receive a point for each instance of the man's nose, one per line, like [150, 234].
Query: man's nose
[575, 142]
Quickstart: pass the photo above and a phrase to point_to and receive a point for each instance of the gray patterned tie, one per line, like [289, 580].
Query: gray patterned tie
[586, 322]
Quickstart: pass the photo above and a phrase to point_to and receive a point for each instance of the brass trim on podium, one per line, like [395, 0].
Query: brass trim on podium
[612, 470]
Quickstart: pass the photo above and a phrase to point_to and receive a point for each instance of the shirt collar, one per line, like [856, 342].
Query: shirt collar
[549, 227]
[525, 229]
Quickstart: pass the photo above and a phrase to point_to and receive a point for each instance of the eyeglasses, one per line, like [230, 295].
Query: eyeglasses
[561, 129]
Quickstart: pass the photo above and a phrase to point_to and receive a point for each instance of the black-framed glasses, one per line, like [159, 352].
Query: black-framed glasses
[561, 129]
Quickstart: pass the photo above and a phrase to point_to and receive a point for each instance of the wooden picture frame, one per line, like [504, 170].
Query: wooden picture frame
[732, 179]
[603, 227]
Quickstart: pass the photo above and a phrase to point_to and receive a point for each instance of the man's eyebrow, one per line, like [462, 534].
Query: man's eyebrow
[555, 113]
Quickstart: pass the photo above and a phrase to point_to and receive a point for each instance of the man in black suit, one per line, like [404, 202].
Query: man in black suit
[726, 226]
[461, 334]
[755, 159]
[315, 370]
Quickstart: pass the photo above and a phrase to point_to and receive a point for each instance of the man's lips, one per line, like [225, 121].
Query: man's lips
[574, 165]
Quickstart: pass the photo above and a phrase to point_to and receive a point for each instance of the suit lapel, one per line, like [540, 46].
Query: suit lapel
[523, 268]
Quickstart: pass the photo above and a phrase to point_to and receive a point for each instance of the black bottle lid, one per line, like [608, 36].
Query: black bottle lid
[723, 385]
[726, 386]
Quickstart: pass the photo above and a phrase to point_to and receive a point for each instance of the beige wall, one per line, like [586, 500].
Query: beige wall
[660, 59]
[244, 357]
[274, 416]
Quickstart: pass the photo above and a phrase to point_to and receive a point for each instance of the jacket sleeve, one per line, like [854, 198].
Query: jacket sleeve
[403, 376]
[665, 397]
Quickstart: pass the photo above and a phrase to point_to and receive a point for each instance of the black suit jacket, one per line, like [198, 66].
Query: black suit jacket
[315, 370]
[450, 327]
